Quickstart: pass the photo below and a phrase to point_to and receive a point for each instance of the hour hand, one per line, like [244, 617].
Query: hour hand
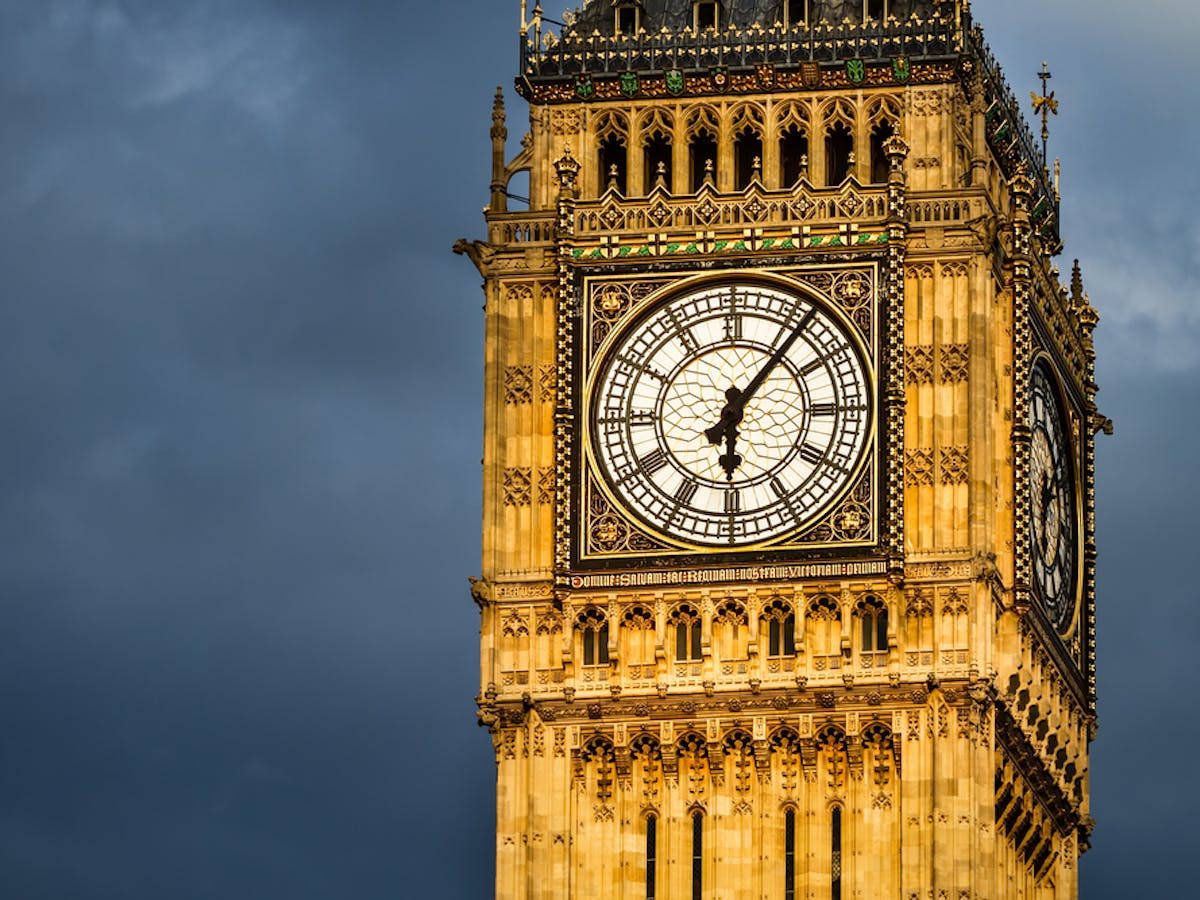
[730, 460]
[731, 417]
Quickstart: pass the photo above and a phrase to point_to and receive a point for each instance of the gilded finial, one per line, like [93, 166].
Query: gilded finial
[1045, 105]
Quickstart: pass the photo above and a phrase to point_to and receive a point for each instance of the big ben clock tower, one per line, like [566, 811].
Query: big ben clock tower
[788, 553]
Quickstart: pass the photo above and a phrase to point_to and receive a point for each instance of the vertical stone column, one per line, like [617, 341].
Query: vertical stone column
[1020, 275]
[895, 397]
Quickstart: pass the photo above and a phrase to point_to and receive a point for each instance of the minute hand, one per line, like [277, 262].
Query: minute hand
[779, 354]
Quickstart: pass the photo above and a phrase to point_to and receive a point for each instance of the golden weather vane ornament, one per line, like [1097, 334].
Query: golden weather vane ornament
[1045, 105]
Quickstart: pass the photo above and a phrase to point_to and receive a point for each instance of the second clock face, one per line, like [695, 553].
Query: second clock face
[731, 415]
[1053, 536]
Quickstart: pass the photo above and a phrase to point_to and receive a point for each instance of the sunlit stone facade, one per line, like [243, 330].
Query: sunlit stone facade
[894, 698]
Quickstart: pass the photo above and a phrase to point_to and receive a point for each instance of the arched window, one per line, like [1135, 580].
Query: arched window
[732, 633]
[613, 159]
[703, 150]
[873, 626]
[747, 155]
[879, 161]
[593, 630]
[657, 156]
[781, 629]
[825, 618]
[706, 15]
[686, 620]
[793, 156]
[637, 636]
[875, 10]
[651, 855]
[697, 855]
[789, 854]
[835, 871]
[797, 13]
[839, 153]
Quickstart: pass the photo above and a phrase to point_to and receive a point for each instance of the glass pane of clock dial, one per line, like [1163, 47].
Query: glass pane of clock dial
[801, 438]
[1052, 506]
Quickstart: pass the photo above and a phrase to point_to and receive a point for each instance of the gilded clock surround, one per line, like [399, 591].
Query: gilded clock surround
[903, 671]
[606, 535]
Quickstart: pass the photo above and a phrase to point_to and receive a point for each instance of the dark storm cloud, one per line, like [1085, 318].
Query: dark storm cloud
[240, 406]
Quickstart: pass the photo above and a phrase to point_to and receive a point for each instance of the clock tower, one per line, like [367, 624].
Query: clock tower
[788, 530]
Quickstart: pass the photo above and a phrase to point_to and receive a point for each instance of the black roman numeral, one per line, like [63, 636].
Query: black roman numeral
[733, 502]
[812, 367]
[824, 409]
[811, 454]
[641, 419]
[733, 327]
[652, 462]
[687, 490]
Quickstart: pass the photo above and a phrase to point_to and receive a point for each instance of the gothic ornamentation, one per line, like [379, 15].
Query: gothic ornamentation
[953, 363]
[918, 364]
[918, 468]
[518, 483]
[953, 465]
[518, 385]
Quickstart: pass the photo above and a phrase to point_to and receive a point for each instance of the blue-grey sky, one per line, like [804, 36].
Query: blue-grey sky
[240, 425]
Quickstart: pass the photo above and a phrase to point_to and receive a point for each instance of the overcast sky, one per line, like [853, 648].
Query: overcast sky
[240, 425]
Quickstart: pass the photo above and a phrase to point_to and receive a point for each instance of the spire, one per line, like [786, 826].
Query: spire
[499, 184]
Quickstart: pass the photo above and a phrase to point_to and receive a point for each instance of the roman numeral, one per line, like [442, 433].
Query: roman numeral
[733, 502]
[652, 462]
[733, 327]
[778, 488]
[811, 454]
[812, 367]
[687, 490]
[823, 409]
[641, 419]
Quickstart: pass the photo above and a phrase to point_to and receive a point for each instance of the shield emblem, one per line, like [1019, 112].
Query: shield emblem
[766, 75]
[674, 79]
[810, 74]
[584, 87]
[856, 71]
[630, 84]
[720, 79]
[901, 70]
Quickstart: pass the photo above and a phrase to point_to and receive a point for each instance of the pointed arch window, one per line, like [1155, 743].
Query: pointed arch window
[789, 854]
[593, 630]
[651, 855]
[839, 153]
[879, 161]
[793, 156]
[657, 155]
[613, 161]
[874, 627]
[781, 630]
[697, 855]
[703, 151]
[797, 13]
[835, 871]
[747, 154]
[686, 621]
[874, 10]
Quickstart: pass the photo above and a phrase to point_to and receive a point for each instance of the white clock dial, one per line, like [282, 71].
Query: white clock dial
[731, 415]
[1053, 531]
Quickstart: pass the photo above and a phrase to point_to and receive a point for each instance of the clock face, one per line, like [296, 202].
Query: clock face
[1054, 530]
[731, 415]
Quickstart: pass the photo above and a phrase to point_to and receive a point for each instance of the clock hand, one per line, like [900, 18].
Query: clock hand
[730, 460]
[1047, 496]
[731, 415]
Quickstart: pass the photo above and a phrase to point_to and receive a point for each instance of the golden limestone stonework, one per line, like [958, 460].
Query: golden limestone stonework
[788, 530]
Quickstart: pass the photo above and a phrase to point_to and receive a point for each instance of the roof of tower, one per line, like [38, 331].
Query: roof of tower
[676, 15]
